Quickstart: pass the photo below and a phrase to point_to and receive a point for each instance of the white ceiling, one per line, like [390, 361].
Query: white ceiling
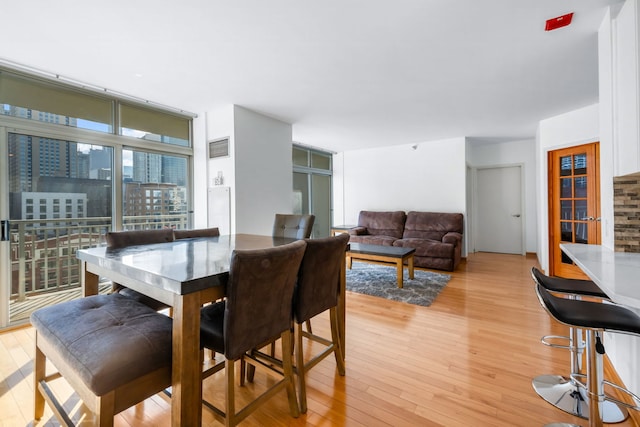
[346, 74]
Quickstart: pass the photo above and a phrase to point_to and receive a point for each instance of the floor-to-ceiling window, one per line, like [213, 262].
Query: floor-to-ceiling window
[75, 164]
[312, 187]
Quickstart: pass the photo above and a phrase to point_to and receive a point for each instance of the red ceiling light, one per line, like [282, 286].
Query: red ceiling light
[559, 22]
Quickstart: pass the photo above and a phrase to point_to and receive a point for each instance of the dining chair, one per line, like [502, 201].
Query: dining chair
[293, 226]
[257, 309]
[198, 232]
[122, 239]
[317, 290]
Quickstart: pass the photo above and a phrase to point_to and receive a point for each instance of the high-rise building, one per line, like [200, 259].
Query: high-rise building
[147, 167]
[31, 157]
[174, 170]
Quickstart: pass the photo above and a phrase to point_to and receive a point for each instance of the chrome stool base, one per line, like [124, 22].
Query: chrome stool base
[562, 393]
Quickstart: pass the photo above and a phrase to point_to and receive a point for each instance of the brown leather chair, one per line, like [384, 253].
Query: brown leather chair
[293, 226]
[257, 309]
[122, 239]
[198, 232]
[317, 290]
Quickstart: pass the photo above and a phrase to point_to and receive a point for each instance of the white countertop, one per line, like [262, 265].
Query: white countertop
[616, 273]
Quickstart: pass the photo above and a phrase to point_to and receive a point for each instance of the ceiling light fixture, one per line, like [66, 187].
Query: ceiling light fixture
[558, 22]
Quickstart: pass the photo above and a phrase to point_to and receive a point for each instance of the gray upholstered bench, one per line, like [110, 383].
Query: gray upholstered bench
[112, 350]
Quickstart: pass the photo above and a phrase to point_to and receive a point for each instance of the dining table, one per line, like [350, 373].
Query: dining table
[184, 274]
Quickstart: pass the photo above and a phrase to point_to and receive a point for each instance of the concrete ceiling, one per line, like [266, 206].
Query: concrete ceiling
[347, 74]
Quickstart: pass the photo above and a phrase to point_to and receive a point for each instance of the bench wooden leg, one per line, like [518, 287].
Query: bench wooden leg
[106, 407]
[40, 364]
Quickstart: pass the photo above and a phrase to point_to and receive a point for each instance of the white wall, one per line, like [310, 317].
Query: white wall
[618, 52]
[263, 164]
[513, 153]
[626, 82]
[566, 130]
[219, 125]
[257, 171]
[430, 177]
[200, 155]
[605, 76]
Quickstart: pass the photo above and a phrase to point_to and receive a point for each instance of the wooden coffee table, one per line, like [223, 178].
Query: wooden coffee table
[378, 254]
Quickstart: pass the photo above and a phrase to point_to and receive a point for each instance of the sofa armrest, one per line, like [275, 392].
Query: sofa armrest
[358, 231]
[452, 237]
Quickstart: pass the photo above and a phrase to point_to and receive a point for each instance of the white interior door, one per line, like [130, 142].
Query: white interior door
[499, 225]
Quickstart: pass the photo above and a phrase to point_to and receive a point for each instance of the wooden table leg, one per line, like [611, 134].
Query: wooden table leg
[400, 268]
[186, 384]
[410, 266]
[89, 281]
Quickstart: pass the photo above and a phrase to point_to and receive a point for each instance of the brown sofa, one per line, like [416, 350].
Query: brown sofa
[436, 236]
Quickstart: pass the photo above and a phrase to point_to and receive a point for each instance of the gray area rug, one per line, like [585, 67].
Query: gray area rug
[381, 281]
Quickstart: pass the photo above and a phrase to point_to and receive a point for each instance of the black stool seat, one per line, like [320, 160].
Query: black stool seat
[568, 286]
[565, 392]
[592, 315]
[594, 318]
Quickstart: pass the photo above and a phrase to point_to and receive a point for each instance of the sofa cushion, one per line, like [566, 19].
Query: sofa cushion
[383, 223]
[427, 248]
[373, 240]
[432, 225]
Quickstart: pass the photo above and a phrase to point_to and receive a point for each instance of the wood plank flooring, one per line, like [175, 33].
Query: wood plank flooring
[467, 360]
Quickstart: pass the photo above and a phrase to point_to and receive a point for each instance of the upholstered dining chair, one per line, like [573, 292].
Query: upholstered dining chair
[317, 290]
[198, 232]
[122, 239]
[293, 226]
[257, 309]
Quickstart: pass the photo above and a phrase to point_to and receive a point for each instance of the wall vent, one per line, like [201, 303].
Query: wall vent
[219, 148]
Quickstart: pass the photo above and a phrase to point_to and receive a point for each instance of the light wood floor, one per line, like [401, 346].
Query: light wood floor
[465, 361]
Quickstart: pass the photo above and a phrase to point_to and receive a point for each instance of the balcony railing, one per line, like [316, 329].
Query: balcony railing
[43, 252]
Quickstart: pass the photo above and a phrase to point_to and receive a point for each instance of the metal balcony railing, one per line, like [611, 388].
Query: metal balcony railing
[43, 251]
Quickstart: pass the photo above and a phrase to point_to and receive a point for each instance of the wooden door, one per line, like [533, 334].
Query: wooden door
[574, 204]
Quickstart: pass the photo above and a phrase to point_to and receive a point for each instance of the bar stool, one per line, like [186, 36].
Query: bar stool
[564, 392]
[595, 318]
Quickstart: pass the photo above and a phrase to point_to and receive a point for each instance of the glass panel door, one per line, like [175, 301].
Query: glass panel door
[312, 194]
[321, 202]
[59, 195]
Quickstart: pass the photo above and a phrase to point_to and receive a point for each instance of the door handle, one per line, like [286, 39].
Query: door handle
[516, 215]
[4, 230]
